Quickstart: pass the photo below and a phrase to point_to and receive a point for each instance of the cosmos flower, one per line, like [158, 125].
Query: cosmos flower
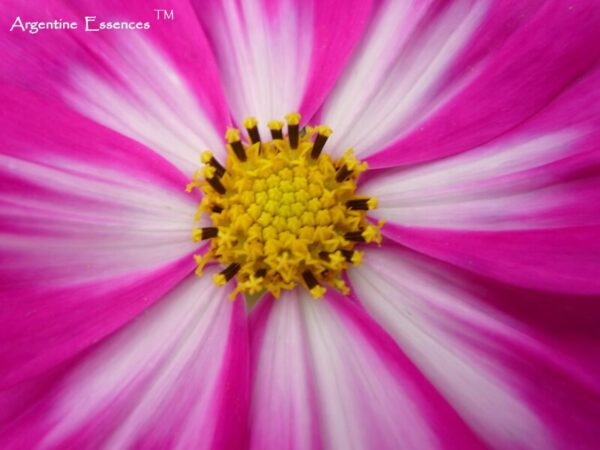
[458, 277]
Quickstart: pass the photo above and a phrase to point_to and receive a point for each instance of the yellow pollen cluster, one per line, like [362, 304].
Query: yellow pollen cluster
[283, 212]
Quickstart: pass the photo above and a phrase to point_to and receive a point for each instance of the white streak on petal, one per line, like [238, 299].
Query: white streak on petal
[283, 381]
[484, 189]
[155, 380]
[104, 224]
[390, 85]
[363, 404]
[148, 102]
[420, 311]
[265, 60]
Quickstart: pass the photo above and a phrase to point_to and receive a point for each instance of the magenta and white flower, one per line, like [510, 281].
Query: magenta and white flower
[474, 324]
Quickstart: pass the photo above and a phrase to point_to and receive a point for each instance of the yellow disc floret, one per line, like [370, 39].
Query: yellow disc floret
[283, 212]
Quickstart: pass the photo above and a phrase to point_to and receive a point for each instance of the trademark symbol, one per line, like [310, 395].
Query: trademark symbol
[164, 14]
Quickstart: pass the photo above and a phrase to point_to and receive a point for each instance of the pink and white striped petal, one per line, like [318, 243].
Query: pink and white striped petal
[176, 377]
[450, 79]
[393, 80]
[520, 183]
[158, 86]
[88, 218]
[326, 376]
[278, 56]
[512, 383]
[284, 386]
[523, 208]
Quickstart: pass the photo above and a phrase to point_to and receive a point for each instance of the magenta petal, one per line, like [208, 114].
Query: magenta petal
[522, 208]
[158, 86]
[501, 80]
[89, 236]
[564, 260]
[394, 78]
[167, 380]
[279, 56]
[519, 366]
[338, 26]
[41, 326]
[326, 376]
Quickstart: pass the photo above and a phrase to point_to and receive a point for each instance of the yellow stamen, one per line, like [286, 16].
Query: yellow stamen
[275, 125]
[324, 130]
[293, 118]
[232, 135]
[318, 291]
[283, 212]
[219, 279]
[250, 122]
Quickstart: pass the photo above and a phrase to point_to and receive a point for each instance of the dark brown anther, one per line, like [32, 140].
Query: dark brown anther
[252, 128]
[238, 149]
[355, 236]
[309, 279]
[276, 134]
[216, 184]
[261, 273]
[253, 134]
[318, 145]
[359, 204]
[342, 174]
[324, 256]
[231, 271]
[219, 169]
[348, 254]
[209, 232]
[217, 209]
[293, 135]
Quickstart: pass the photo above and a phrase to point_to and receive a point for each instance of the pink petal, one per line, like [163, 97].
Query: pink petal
[532, 182]
[490, 350]
[563, 260]
[90, 235]
[278, 56]
[326, 376]
[170, 379]
[393, 80]
[284, 387]
[457, 74]
[523, 208]
[158, 86]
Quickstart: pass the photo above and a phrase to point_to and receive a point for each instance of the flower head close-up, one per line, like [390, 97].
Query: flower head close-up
[284, 224]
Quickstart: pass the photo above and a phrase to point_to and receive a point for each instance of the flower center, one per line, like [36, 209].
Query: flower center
[283, 212]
